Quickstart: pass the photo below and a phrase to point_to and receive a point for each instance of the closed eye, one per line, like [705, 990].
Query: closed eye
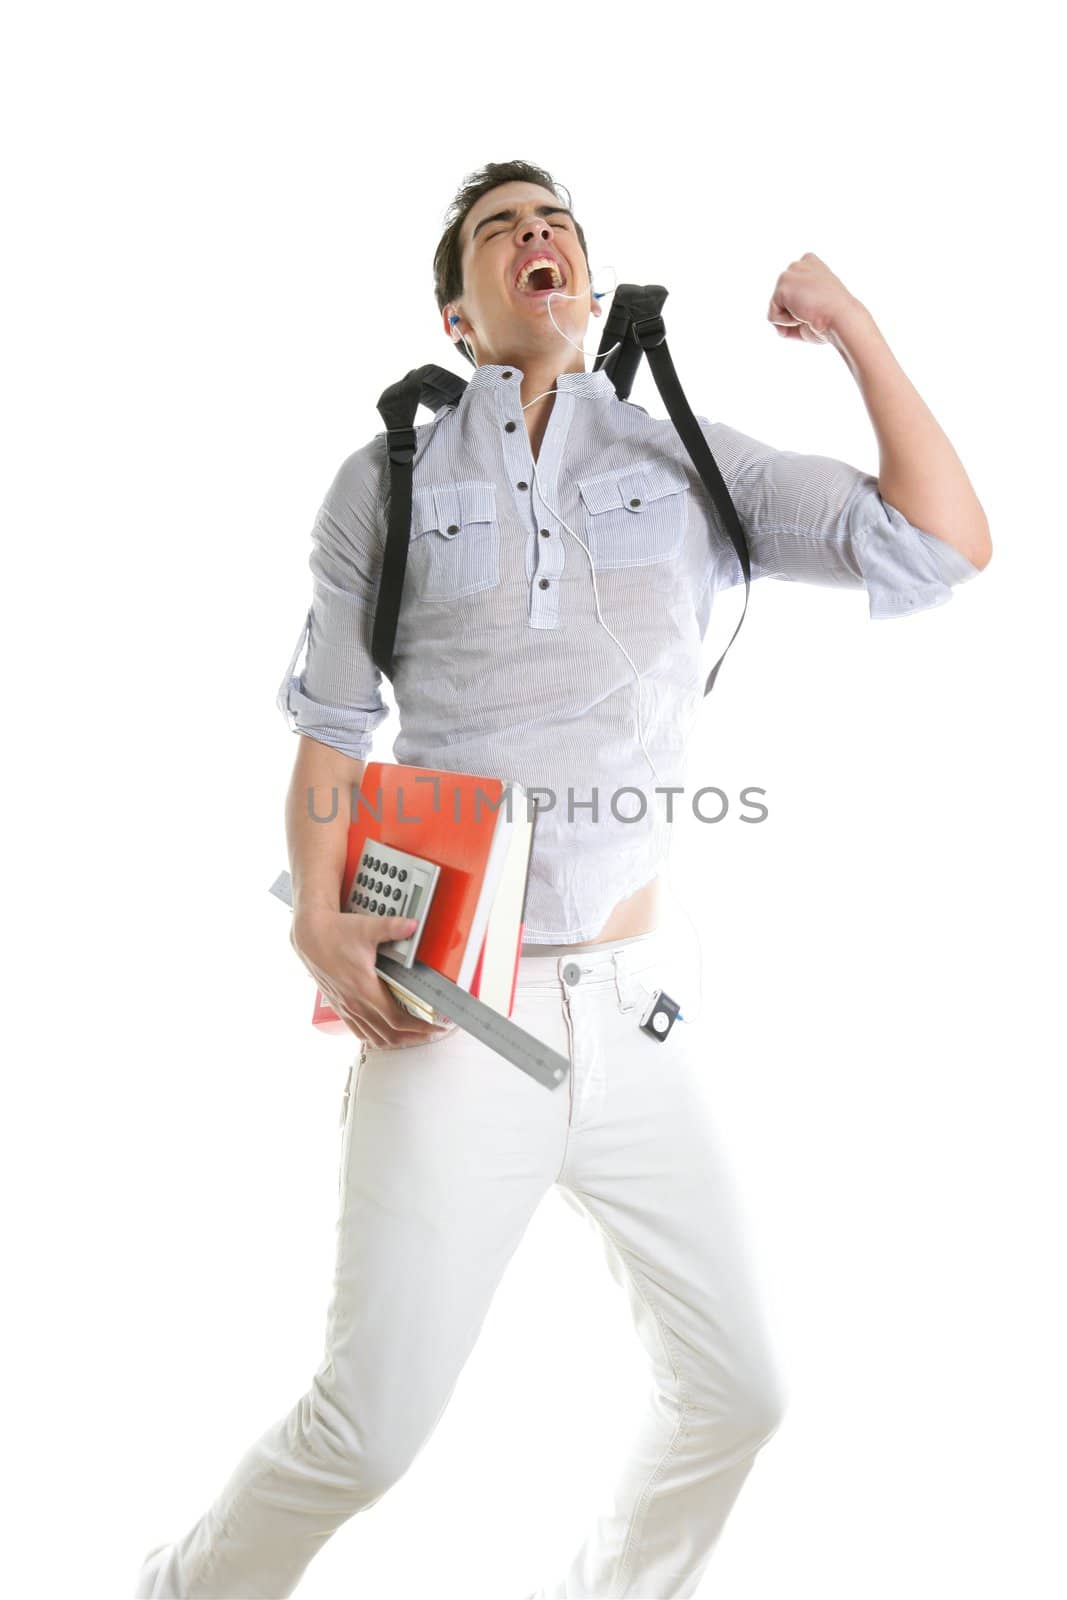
[496, 235]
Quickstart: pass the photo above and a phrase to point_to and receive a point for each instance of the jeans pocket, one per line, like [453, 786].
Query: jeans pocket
[347, 1112]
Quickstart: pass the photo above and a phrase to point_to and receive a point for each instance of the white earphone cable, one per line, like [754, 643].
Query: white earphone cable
[556, 294]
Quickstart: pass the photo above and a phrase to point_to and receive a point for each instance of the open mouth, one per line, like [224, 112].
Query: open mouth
[539, 282]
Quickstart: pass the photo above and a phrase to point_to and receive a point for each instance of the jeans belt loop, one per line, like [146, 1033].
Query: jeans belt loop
[624, 1003]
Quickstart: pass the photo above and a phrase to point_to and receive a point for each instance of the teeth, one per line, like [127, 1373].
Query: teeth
[532, 266]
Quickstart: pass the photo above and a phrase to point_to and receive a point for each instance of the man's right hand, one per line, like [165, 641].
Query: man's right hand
[339, 949]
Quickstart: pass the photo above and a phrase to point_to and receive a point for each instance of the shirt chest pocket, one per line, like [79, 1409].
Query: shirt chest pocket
[455, 540]
[634, 516]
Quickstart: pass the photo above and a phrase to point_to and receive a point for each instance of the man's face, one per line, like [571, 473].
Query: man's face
[506, 227]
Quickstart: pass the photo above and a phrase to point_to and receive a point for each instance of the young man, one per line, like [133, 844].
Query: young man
[517, 653]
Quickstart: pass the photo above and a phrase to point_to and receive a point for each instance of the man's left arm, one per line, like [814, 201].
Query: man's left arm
[919, 474]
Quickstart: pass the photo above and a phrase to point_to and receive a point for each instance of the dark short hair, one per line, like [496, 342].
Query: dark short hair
[447, 262]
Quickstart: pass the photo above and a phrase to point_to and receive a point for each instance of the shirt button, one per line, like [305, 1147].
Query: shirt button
[544, 533]
[542, 583]
[572, 972]
[505, 374]
[635, 502]
[522, 484]
[509, 427]
[453, 527]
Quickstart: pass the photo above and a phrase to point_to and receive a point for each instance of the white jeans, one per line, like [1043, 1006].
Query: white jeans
[446, 1152]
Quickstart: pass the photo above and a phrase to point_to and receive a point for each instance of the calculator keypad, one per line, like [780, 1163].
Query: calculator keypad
[390, 882]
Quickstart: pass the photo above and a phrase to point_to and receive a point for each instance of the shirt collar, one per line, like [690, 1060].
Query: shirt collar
[591, 385]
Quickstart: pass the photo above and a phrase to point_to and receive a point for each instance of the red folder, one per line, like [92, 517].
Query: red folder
[461, 822]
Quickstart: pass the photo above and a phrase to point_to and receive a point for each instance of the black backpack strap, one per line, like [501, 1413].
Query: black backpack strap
[635, 324]
[430, 386]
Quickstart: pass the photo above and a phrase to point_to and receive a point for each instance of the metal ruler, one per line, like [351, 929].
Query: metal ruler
[491, 1027]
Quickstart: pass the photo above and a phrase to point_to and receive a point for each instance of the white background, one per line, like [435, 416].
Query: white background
[223, 223]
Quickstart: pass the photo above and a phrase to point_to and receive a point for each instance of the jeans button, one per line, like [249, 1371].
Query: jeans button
[571, 972]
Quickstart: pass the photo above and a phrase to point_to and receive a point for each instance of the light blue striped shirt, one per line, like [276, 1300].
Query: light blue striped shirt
[502, 667]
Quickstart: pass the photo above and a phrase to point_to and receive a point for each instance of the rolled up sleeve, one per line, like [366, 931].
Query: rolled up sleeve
[813, 519]
[337, 699]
